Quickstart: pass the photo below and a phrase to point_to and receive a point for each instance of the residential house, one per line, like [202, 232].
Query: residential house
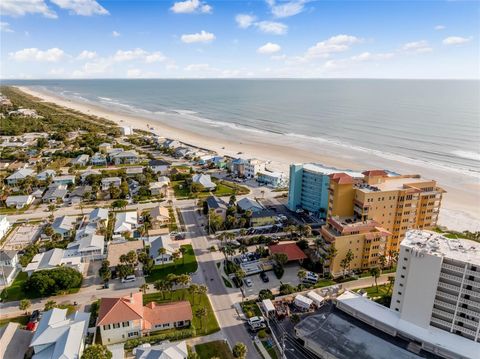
[59, 336]
[98, 159]
[99, 215]
[125, 222]
[182, 152]
[120, 319]
[104, 147]
[19, 201]
[44, 175]
[78, 194]
[218, 205]
[248, 204]
[160, 187]
[133, 171]
[8, 274]
[38, 193]
[19, 175]
[262, 218]
[55, 193]
[162, 242]
[85, 174]
[159, 216]
[272, 179]
[171, 144]
[52, 259]
[110, 181]
[14, 342]
[126, 130]
[81, 160]
[25, 112]
[164, 350]
[8, 258]
[87, 245]
[204, 180]
[66, 179]
[5, 226]
[248, 168]
[290, 249]
[159, 166]
[64, 225]
[125, 157]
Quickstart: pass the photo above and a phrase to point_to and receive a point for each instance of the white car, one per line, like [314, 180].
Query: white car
[129, 278]
[248, 282]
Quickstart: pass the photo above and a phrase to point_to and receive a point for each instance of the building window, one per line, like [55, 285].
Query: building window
[399, 293]
[116, 325]
[106, 327]
[125, 324]
[132, 334]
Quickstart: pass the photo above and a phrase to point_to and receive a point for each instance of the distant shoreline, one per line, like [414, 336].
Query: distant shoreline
[461, 205]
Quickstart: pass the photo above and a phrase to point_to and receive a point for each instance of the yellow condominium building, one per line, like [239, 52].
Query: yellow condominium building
[366, 240]
[396, 203]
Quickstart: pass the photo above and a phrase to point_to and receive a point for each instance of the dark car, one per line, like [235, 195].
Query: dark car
[264, 277]
[35, 316]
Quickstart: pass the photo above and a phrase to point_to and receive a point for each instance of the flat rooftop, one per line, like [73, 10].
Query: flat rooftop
[394, 183]
[312, 167]
[435, 244]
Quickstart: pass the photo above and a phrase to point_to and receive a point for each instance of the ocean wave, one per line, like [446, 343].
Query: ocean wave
[105, 98]
[469, 155]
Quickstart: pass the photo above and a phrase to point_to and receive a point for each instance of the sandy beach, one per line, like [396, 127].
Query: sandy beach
[461, 204]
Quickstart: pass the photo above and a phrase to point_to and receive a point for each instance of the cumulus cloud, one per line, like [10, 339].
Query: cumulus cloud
[191, 6]
[129, 55]
[34, 54]
[244, 20]
[17, 8]
[272, 27]
[94, 68]
[269, 48]
[334, 44]
[201, 36]
[456, 40]
[5, 27]
[115, 33]
[439, 27]
[368, 56]
[286, 9]
[418, 47]
[87, 55]
[81, 7]
[155, 57]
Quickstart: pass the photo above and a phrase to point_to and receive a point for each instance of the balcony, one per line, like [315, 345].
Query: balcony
[441, 322]
[452, 277]
[472, 313]
[469, 322]
[452, 287]
[454, 268]
[442, 314]
[464, 330]
[443, 304]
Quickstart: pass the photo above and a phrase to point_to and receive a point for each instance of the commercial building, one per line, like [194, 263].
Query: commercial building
[308, 189]
[248, 168]
[396, 203]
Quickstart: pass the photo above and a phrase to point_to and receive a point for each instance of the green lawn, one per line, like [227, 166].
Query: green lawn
[373, 293]
[203, 326]
[15, 290]
[250, 308]
[180, 189]
[215, 349]
[324, 283]
[22, 320]
[224, 188]
[180, 266]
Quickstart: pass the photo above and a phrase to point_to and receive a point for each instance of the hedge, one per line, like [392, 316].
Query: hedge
[153, 339]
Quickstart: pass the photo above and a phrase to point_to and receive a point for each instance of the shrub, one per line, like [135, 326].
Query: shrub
[265, 294]
[278, 270]
[287, 289]
[262, 334]
[156, 338]
[52, 281]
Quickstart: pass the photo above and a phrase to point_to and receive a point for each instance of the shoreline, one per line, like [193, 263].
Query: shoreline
[460, 208]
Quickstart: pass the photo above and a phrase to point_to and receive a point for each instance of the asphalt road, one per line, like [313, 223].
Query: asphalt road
[232, 326]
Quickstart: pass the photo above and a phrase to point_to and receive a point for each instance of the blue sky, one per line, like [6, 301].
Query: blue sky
[272, 38]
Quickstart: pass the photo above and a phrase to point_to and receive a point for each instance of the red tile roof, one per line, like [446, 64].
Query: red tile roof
[375, 173]
[155, 314]
[341, 178]
[293, 252]
[116, 310]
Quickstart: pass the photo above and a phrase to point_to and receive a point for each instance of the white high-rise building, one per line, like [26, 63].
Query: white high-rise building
[438, 283]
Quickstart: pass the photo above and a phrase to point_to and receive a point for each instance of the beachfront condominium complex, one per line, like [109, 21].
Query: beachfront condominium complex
[438, 283]
[369, 216]
[308, 189]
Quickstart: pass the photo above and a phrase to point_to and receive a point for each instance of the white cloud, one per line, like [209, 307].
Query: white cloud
[439, 27]
[368, 56]
[456, 40]
[155, 57]
[134, 73]
[269, 48]
[129, 55]
[202, 36]
[97, 67]
[418, 47]
[87, 55]
[5, 27]
[244, 20]
[197, 67]
[191, 6]
[81, 7]
[334, 44]
[286, 9]
[115, 33]
[18, 8]
[272, 27]
[34, 54]
[57, 72]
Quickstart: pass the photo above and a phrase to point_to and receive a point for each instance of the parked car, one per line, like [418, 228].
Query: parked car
[256, 323]
[35, 316]
[248, 282]
[129, 278]
[264, 277]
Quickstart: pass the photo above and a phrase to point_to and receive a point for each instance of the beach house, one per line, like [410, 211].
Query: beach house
[52, 259]
[110, 181]
[5, 226]
[98, 159]
[19, 201]
[64, 225]
[162, 242]
[55, 193]
[160, 216]
[272, 179]
[19, 175]
[66, 179]
[164, 350]
[125, 222]
[44, 175]
[81, 160]
[217, 205]
[125, 157]
[204, 180]
[248, 204]
[159, 166]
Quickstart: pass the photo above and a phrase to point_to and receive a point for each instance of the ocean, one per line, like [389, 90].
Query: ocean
[435, 122]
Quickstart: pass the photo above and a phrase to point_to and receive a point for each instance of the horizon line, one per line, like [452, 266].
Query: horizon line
[243, 78]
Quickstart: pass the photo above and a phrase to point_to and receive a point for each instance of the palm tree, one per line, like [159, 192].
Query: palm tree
[51, 208]
[243, 249]
[240, 351]
[183, 251]
[161, 252]
[50, 305]
[144, 288]
[175, 256]
[382, 261]
[161, 286]
[24, 305]
[375, 272]
[193, 289]
[201, 313]
[290, 229]
[240, 274]
[391, 282]
[301, 275]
